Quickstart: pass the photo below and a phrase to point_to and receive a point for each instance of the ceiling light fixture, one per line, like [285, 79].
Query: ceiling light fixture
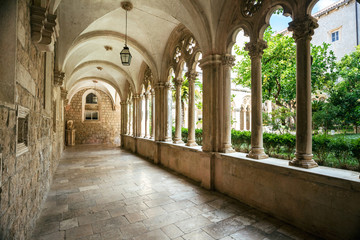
[125, 55]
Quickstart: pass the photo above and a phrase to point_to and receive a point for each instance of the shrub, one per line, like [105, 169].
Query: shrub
[341, 149]
[356, 150]
[321, 147]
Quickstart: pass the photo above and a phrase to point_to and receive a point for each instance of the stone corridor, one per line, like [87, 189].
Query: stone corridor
[102, 192]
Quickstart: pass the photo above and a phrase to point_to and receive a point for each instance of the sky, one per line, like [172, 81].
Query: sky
[279, 22]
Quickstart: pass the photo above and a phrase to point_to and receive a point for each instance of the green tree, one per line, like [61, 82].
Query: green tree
[279, 70]
[346, 94]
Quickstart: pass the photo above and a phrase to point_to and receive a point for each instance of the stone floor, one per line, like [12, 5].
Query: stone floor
[102, 192]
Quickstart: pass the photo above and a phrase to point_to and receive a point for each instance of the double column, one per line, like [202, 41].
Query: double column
[152, 132]
[191, 76]
[178, 85]
[124, 117]
[147, 96]
[217, 102]
[135, 115]
[256, 50]
[303, 29]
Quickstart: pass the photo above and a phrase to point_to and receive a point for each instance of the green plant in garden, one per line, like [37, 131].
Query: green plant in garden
[321, 149]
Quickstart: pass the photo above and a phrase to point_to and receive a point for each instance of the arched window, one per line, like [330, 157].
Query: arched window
[91, 99]
[91, 107]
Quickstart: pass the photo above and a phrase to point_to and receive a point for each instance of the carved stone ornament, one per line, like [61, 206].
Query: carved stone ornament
[167, 85]
[70, 125]
[42, 26]
[58, 78]
[178, 81]
[63, 93]
[228, 60]
[303, 28]
[250, 7]
[192, 76]
[256, 48]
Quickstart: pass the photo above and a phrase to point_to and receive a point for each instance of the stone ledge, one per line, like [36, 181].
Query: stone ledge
[348, 179]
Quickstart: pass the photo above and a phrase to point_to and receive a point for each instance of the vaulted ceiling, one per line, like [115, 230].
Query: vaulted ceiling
[92, 36]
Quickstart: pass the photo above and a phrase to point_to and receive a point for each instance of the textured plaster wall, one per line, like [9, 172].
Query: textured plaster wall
[25, 178]
[344, 20]
[105, 131]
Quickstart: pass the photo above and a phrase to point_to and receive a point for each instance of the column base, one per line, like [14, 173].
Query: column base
[303, 160]
[177, 141]
[167, 140]
[228, 149]
[257, 153]
[191, 143]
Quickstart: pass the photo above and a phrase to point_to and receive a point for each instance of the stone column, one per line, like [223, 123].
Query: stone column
[256, 49]
[242, 118]
[228, 63]
[123, 117]
[177, 138]
[303, 29]
[140, 117]
[168, 112]
[152, 133]
[135, 115]
[129, 127]
[147, 135]
[212, 110]
[191, 115]
[159, 112]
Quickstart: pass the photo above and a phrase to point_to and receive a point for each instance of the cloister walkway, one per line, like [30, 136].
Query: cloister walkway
[103, 192]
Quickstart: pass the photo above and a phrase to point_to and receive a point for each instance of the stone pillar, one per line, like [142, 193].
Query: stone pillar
[212, 111]
[159, 112]
[256, 50]
[124, 109]
[140, 116]
[168, 112]
[242, 118]
[248, 112]
[135, 115]
[129, 127]
[228, 63]
[147, 135]
[178, 85]
[303, 29]
[152, 133]
[191, 115]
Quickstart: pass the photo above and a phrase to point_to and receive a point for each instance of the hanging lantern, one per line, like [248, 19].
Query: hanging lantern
[125, 54]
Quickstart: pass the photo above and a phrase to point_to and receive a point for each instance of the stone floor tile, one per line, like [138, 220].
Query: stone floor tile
[224, 228]
[69, 223]
[217, 215]
[155, 211]
[172, 231]
[132, 230]
[109, 224]
[95, 217]
[193, 224]
[153, 235]
[120, 211]
[166, 219]
[78, 232]
[197, 235]
[47, 228]
[102, 192]
[178, 205]
[249, 233]
[135, 217]
[59, 235]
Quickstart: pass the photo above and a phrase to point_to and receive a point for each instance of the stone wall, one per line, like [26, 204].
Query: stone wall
[26, 176]
[104, 131]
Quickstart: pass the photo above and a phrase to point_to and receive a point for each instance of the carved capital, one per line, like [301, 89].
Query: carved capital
[167, 85]
[63, 93]
[303, 28]
[256, 48]
[228, 60]
[191, 76]
[136, 96]
[152, 92]
[58, 78]
[123, 103]
[178, 82]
